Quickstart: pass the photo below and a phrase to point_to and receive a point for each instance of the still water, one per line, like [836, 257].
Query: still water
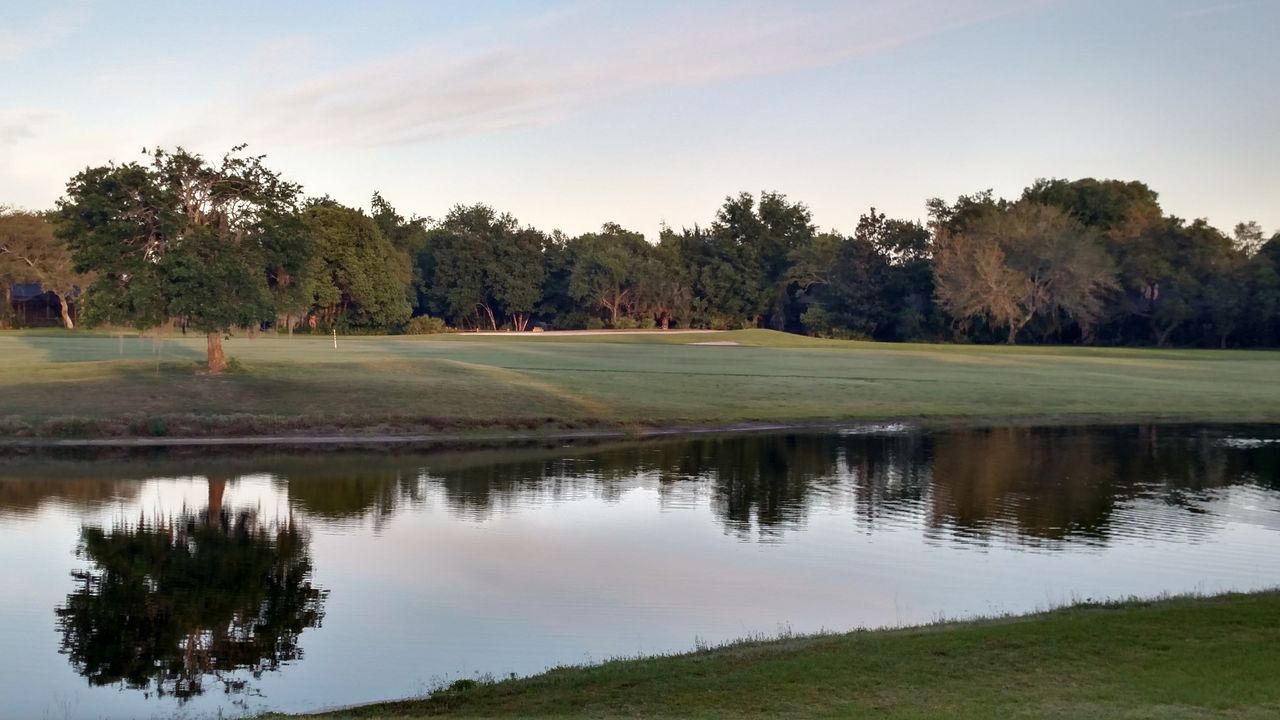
[159, 585]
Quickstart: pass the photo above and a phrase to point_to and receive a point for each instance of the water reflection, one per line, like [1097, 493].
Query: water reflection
[1024, 485]
[24, 496]
[194, 578]
[173, 601]
[1037, 485]
[1030, 485]
[337, 494]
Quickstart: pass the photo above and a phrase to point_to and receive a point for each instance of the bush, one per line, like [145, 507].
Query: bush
[595, 323]
[626, 322]
[648, 323]
[817, 321]
[570, 321]
[725, 322]
[425, 325]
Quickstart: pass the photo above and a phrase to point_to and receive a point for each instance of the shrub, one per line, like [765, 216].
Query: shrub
[570, 321]
[425, 325]
[595, 323]
[648, 323]
[724, 322]
[626, 322]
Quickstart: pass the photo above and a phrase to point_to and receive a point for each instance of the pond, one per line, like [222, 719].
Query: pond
[153, 584]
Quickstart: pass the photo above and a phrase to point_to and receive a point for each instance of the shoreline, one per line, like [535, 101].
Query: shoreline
[481, 434]
[1091, 659]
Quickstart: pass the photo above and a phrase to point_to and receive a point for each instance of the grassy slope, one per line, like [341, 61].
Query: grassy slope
[1181, 658]
[619, 379]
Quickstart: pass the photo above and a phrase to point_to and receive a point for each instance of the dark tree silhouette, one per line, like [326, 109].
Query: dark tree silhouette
[171, 602]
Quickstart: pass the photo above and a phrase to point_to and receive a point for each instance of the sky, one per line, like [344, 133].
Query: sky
[574, 113]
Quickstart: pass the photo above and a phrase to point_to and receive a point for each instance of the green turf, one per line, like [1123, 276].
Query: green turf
[1180, 658]
[73, 383]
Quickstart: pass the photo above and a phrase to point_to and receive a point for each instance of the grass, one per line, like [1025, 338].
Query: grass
[85, 384]
[1173, 658]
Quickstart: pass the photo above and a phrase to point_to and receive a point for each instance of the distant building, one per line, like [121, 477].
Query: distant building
[31, 306]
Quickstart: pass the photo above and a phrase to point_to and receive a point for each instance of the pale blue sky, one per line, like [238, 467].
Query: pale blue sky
[570, 114]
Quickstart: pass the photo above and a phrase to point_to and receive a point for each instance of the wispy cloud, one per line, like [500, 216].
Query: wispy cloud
[21, 39]
[18, 124]
[545, 71]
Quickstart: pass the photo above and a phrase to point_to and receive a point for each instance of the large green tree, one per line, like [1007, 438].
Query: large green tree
[519, 272]
[1177, 280]
[1166, 266]
[843, 279]
[1027, 261]
[409, 236]
[458, 262]
[179, 237]
[483, 268]
[908, 288]
[744, 268]
[557, 303]
[288, 257]
[1262, 311]
[608, 269]
[664, 291]
[356, 278]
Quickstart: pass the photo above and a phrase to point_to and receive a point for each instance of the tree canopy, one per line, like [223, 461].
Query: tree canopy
[219, 246]
[1024, 262]
[356, 276]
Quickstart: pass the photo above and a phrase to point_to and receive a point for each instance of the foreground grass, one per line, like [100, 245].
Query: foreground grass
[71, 384]
[1179, 658]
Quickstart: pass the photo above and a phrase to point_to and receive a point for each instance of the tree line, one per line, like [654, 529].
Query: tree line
[218, 245]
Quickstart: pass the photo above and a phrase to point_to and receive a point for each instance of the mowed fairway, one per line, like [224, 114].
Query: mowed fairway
[76, 383]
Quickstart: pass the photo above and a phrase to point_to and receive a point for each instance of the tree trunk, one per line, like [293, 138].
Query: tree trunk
[1162, 335]
[66, 313]
[217, 486]
[217, 360]
[1014, 328]
[666, 322]
[1088, 334]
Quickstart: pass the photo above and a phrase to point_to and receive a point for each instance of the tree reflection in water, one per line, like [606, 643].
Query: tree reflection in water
[174, 601]
[1031, 486]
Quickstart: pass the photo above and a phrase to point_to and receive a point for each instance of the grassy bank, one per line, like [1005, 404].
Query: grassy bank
[72, 385]
[1179, 658]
